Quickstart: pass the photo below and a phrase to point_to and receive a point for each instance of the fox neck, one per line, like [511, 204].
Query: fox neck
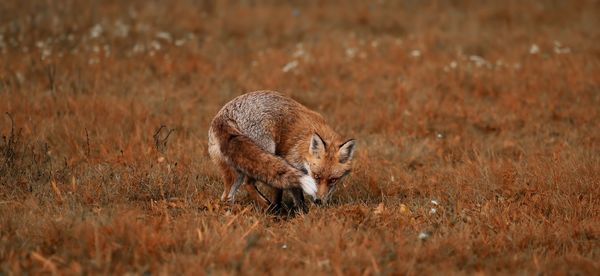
[294, 147]
[297, 153]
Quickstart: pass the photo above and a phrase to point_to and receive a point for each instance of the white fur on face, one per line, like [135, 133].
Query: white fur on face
[309, 185]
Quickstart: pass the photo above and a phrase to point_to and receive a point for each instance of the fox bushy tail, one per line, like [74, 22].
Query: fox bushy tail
[247, 157]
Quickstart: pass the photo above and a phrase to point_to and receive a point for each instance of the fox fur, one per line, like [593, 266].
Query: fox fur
[268, 137]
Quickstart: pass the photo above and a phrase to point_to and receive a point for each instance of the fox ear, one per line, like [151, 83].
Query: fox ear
[317, 146]
[346, 151]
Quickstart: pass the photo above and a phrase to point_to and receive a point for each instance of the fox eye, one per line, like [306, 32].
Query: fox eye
[333, 180]
[317, 177]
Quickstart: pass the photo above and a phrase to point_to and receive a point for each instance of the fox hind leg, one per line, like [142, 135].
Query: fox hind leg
[234, 187]
[232, 179]
[229, 176]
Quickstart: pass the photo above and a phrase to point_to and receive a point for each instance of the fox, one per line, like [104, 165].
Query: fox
[268, 137]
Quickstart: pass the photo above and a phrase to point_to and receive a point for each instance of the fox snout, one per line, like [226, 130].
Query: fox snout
[323, 193]
[319, 192]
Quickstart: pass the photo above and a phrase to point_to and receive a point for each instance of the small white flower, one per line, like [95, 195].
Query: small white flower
[284, 246]
[324, 264]
[155, 45]
[351, 52]
[46, 53]
[96, 31]
[434, 202]
[121, 29]
[20, 77]
[179, 42]
[165, 36]
[557, 43]
[432, 211]
[517, 66]
[423, 235]
[559, 49]
[479, 61]
[534, 49]
[415, 53]
[289, 66]
[299, 51]
[138, 47]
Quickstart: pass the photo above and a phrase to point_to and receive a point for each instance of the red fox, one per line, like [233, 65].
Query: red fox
[268, 137]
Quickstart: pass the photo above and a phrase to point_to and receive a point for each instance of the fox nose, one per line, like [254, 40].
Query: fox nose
[318, 201]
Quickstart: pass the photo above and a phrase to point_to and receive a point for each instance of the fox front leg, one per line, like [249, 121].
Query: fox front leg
[299, 202]
[276, 204]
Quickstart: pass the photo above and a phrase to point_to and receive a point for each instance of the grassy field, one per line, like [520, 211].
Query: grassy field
[478, 129]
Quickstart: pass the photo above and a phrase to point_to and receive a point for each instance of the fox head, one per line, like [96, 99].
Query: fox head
[328, 162]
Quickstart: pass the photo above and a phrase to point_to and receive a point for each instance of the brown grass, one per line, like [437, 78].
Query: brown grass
[444, 97]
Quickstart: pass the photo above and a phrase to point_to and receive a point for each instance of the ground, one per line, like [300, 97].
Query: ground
[478, 129]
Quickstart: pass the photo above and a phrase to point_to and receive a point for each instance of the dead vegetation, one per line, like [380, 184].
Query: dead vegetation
[478, 129]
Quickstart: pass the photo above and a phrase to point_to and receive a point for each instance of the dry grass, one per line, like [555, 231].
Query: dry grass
[491, 110]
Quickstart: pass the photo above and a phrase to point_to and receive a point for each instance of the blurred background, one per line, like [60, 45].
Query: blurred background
[489, 108]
